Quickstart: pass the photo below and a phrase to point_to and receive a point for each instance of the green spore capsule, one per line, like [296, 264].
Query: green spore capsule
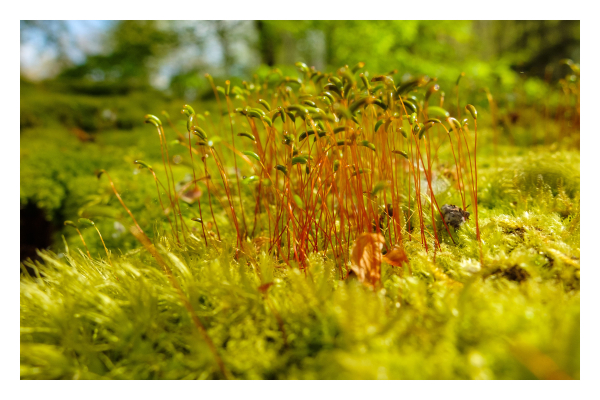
[470, 108]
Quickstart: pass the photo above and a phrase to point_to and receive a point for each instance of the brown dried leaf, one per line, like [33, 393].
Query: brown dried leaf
[396, 257]
[366, 258]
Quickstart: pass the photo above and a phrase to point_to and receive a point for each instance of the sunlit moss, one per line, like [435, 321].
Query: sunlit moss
[457, 311]
[452, 318]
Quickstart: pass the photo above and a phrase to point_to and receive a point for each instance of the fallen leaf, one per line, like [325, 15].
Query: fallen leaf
[367, 257]
[396, 257]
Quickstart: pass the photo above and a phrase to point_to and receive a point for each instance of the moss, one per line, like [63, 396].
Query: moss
[463, 310]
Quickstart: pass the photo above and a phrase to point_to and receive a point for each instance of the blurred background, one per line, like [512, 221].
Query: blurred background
[86, 86]
[116, 57]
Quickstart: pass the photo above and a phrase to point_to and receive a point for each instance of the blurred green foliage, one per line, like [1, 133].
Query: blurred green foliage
[45, 106]
[493, 54]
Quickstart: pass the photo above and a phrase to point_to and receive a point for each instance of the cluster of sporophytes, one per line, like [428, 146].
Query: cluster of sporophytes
[341, 155]
[320, 249]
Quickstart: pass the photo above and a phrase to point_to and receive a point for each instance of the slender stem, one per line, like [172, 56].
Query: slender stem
[83, 241]
[103, 244]
[156, 181]
[173, 207]
[236, 168]
[196, 188]
[209, 196]
[177, 209]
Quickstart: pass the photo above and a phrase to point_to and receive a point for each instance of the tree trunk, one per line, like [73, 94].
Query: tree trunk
[266, 44]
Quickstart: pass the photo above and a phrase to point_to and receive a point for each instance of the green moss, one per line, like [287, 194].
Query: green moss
[87, 320]
[459, 311]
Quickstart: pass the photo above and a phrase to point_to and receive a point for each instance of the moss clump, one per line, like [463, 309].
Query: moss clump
[451, 319]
